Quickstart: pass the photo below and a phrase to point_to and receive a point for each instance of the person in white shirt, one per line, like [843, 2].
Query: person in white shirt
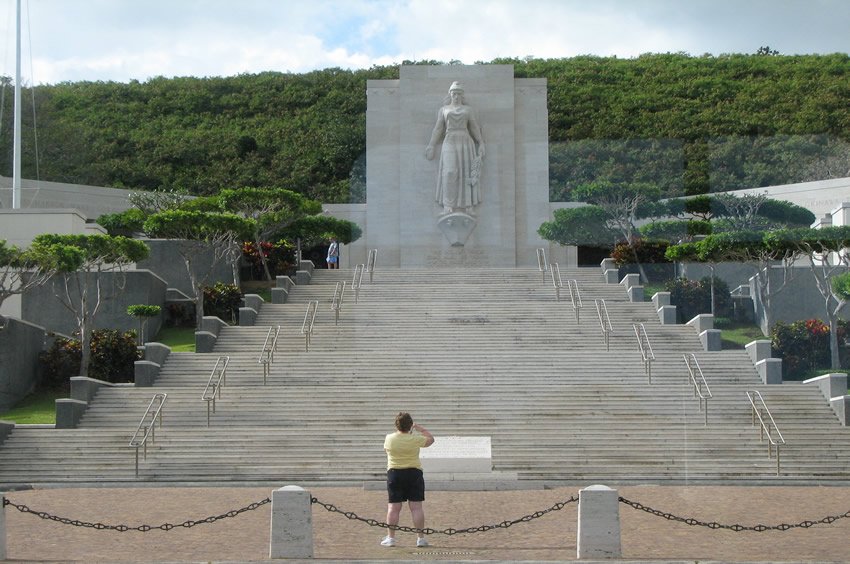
[333, 254]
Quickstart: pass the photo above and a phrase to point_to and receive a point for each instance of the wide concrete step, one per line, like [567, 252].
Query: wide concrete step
[472, 352]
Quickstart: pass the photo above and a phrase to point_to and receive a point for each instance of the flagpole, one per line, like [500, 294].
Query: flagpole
[16, 168]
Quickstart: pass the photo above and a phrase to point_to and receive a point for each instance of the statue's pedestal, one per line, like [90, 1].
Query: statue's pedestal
[457, 227]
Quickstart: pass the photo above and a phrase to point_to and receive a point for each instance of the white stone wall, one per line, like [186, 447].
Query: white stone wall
[820, 197]
[20, 227]
[91, 201]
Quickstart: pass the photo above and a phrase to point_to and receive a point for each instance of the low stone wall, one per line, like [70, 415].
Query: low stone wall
[207, 334]
[20, 344]
[41, 306]
[165, 260]
[147, 370]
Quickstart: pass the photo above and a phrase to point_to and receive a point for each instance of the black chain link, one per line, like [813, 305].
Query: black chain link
[450, 531]
[715, 525]
[428, 531]
[141, 528]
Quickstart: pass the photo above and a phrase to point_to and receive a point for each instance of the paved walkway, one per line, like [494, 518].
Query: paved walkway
[549, 538]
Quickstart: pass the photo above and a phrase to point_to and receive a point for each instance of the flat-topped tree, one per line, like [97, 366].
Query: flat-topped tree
[314, 229]
[199, 233]
[20, 270]
[79, 261]
[825, 253]
[585, 226]
[272, 209]
[142, 312]
[745, 247]
[620, 202]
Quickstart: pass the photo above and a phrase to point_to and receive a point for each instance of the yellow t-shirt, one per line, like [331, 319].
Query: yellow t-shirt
[403, 450]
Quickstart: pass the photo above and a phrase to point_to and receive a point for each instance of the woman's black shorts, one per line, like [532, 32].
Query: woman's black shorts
[405, 484]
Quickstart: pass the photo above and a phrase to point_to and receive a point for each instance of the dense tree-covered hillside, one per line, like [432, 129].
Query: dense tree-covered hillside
[688, 124]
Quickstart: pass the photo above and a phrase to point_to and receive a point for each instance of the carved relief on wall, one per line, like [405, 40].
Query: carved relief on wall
[461, 155]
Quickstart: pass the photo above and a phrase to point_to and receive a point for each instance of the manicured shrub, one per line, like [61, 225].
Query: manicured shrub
[280, 257]
[693, 297]
[143, 312]
[648, 251]
[222, 301]
[802, 345]
[113, 354]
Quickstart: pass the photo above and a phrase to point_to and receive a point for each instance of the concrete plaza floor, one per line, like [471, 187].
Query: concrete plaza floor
[549, 538]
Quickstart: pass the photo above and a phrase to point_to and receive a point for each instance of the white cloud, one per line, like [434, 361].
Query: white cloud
[124, 39]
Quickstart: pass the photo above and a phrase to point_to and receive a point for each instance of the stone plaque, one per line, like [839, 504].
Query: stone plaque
[453, 455]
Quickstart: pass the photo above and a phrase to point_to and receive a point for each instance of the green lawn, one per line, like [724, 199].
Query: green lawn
[736, 335]
[650, 290]
[38, 407]
[180, 339]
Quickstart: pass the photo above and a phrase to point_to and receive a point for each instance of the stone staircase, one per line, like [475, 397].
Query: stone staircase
[467, 352]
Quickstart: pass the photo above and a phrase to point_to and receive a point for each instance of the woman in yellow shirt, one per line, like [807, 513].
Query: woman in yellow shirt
[404, 475]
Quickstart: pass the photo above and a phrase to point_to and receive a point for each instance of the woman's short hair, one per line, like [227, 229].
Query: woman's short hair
[403, 421]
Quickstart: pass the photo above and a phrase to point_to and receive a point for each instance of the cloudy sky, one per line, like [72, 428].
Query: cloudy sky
[71, 40]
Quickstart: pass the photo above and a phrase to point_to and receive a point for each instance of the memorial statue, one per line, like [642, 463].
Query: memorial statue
[458, 187]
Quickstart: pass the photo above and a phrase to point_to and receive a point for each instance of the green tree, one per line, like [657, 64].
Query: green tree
[824, 251]
[142, 312]
[272, 209]
[581, 226]
[81, 263]
[620, 203]
[688, 124]
[21, 270]
[750, 247]
[197, 233]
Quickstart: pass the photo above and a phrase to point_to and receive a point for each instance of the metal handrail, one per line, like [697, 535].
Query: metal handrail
[556, 280]
[575, 296]
[357, 281]
[266, 357]
[370, 263]
[604, 321]
[147, 426]
[695, 370]
[214, 384]
[542, 265]
[765, 428]
[646, 353]
[336, 304]
[309, 319]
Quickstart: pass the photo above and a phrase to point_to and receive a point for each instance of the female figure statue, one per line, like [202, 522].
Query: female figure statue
[457, 127]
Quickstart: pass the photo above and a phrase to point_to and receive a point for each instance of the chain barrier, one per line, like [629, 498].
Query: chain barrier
[141, 528]
[715, 525]
[428, 531]
[450, 531]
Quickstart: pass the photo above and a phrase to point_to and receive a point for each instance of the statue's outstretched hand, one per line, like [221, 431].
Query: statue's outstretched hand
[429, 152]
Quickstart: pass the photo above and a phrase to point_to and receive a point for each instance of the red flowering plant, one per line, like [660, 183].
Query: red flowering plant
[279, 256]
[803, 346]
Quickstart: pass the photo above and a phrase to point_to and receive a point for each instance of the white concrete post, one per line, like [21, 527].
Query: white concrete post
[2, 527]
[291, 524]
[598, 523]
